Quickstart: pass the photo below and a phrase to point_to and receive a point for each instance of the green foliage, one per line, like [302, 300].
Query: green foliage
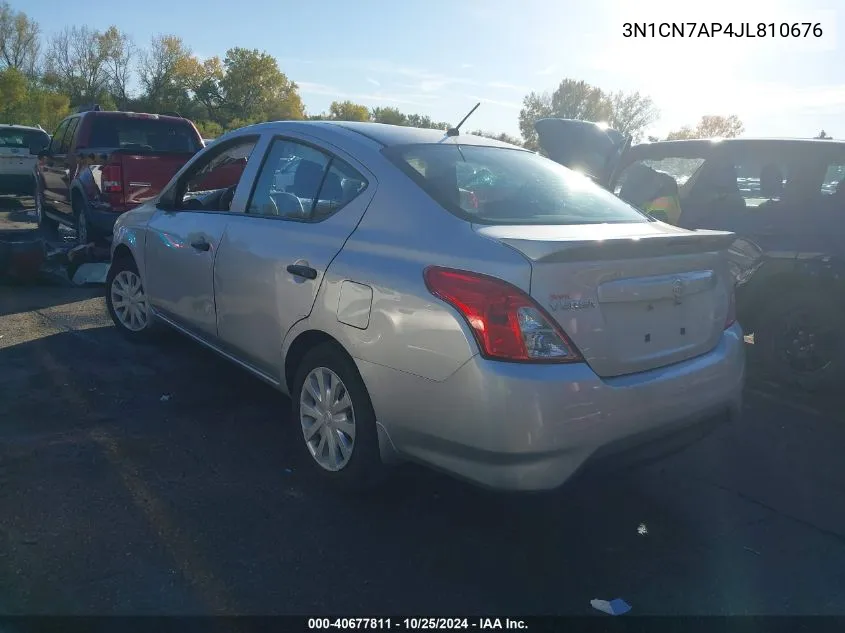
[391, 116]
[629, 113]
[348, 111]
[22, 101]
[710, 126]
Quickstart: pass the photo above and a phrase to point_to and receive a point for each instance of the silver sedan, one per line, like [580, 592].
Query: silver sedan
[447, 299]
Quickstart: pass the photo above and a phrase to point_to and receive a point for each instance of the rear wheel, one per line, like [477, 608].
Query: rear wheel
[336, 418]
[85, 233]
[801, 342]
[126, 300]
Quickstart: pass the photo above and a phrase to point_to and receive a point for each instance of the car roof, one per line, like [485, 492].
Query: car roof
[15, 126]
[382, 133]
[689, 143]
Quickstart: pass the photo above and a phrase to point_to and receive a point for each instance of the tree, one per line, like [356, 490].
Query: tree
[628, 113]
[254, 89]
[20, 42]
[425, 121]
[710, 126]
[76, 64]
[22, 101]
[119, 52]
[504, 138]
[348, 111]
[391, 116]
[164, 87]
[631, 113]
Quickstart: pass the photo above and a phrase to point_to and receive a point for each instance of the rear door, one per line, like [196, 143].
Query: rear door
[185, 234]
[273, 257]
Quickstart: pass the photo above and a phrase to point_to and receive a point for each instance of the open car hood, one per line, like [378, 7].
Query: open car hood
[584, 146]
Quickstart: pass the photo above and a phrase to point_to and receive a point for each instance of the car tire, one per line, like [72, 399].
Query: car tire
[46, 225]
[323, 439]
[800, 342]
[85, 233]
[127, 308]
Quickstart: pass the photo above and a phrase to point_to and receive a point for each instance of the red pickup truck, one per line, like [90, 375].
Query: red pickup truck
[100, 164]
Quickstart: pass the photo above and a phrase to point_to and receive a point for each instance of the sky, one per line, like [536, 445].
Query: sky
[441, 57]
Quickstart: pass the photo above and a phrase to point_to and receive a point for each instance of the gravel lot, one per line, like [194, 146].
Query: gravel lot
[115, 500]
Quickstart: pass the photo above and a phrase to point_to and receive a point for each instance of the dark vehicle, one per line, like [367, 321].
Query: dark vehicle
[786, 196]
[100, 164]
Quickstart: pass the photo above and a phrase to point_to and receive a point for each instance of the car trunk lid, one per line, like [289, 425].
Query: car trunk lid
[632, 297]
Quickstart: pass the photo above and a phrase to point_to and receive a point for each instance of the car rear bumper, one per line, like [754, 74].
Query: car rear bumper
[531, 427]
[17, 184]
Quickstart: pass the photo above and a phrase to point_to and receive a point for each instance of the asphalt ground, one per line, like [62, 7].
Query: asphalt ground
[163, 480]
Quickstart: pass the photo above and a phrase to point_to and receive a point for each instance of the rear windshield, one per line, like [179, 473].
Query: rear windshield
[149, 135]
[23, 139]
[496, 185]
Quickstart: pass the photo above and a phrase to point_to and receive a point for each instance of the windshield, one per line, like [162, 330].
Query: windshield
[496, 185]
[151, 135]
[23, 139]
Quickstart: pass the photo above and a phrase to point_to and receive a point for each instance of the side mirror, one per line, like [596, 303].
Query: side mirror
[41, 152]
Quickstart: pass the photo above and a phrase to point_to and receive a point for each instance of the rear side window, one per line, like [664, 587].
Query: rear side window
[679, 168]
[56, 143]
[23, 139]
[67, 141]
[834, 176]
[299, 182]
[143, 134]
[495, 185]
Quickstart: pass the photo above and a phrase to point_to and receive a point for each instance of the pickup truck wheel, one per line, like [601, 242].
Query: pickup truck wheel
[47, 225]
[338, 424]
[85, 233]
[126, 300]
[801, 342]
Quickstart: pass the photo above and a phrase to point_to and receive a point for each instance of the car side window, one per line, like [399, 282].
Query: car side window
[210, 184]
[678, 167]
[833, 178]
[290, 180]
[761, 178]
[67, 141]
[56, 142]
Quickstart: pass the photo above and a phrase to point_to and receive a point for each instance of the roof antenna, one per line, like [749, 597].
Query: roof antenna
[455, 131]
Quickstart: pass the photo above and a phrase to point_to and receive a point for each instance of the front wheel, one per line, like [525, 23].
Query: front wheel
[126, 301]
[336, 418]
[46, 224]
[801, 342]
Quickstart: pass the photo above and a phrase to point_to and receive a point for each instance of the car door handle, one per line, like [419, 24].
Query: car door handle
[201, 245]
[302, 271]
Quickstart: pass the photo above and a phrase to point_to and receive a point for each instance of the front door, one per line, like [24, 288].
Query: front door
[274, 256]
[185, 234]
[55, 172]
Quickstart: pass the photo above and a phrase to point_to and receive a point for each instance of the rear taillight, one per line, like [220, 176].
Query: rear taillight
[731, 318]
[111, 179]
[507, 323]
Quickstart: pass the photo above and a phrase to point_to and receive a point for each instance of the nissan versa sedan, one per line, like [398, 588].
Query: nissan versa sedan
[442, 298]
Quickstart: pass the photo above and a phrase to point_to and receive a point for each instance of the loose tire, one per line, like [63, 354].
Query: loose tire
[800, 342]
[336, 419]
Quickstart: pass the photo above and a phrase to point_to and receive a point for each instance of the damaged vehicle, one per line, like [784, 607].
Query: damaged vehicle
[784, 199]
[100, 164]
[507, 337]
